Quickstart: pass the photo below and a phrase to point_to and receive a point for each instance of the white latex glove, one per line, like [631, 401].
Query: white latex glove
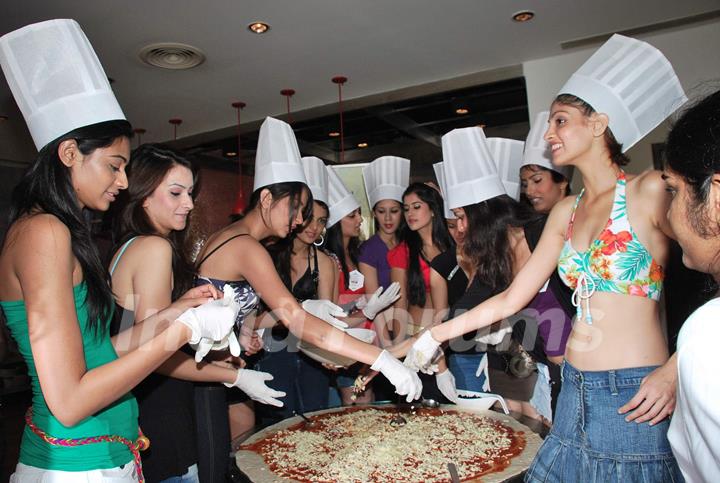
[406, 381]
[212, 322]
[379, 301]
[327, 311]
[252, 383]
[494, 337]
[422, 353]
[446, 383]
[206, 345]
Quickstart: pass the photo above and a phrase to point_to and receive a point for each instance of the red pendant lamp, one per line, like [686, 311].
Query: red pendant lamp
[340, 81]
[176, 121]
[288, 93]
[138, 135]
[240, 203]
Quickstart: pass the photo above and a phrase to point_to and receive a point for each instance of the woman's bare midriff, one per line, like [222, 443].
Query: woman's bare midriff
[625, 333]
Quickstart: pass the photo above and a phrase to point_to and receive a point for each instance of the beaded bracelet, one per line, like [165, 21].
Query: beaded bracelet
[141, 444]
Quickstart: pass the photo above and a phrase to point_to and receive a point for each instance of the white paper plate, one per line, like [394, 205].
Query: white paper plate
[480, 401]
[326, 357]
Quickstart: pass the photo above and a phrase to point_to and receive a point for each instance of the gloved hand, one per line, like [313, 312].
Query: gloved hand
[406, 381]
[494, 337]
[327, 311]
[252, 383]
[206, 345]
[446, 383]
[212, 322]
[379, 301]
[422, 353]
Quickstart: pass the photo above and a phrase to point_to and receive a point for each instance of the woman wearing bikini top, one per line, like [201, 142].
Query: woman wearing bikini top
[617, 356]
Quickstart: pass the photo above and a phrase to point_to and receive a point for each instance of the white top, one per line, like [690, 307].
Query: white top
[471, 175]
[277, 159]
[386, 178]
[695, 428]
[341, 200]
[317, 177]
[440, 175]
[56, 79]
[632, 82]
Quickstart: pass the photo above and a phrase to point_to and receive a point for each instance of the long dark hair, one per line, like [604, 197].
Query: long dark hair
[440, 238]
[47, 188]
[334, 244]
[292, 189]
[693, 152]
[281, 251]
[487, 245]
[149, 165]
[616, 154]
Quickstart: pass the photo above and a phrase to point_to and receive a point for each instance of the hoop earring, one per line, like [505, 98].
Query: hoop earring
[322, 240]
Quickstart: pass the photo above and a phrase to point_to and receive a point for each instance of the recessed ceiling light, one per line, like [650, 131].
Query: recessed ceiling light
[231, 153]
[524, 16]
[461, 110]
[258, 27]
[333, 134]
[362, 145]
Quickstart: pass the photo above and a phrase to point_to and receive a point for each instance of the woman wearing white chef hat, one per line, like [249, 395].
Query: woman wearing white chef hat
[385, 181]
[280, 202]
[55, 296]
[609, 245]
[310, 274]
[542, 183]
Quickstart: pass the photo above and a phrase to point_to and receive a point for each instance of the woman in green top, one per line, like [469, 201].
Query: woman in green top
[55, 295]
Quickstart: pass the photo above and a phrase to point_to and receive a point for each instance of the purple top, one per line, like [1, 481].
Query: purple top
[554, 326]
[374, 253]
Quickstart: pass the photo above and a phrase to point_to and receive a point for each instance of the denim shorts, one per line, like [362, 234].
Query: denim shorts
[591, 442]
[463, 367]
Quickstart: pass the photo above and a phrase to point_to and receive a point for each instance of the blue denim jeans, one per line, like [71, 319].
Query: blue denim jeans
[591, 442]
[304, 381]
[464, 367]
[190, 477]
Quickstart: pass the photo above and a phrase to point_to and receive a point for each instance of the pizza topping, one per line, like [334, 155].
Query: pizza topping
[360, 444]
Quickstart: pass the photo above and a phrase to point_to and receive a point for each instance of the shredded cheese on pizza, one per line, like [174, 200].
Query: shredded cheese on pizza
[362, 445]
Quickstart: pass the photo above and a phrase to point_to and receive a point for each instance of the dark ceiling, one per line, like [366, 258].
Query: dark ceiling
[410, 128]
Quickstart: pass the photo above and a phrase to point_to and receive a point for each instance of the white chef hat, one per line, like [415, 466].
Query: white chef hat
[508, 157]
[341, 200]
[470, 172]
[386, 178]
[440, 175]
[537, 150]
[632, 82]
[277, 159]
[317, 177]
[56, 79]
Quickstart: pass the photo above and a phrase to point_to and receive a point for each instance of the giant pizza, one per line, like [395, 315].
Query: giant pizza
[366, 444]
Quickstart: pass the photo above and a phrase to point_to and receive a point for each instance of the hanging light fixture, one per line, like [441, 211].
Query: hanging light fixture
[288, 93]
[138, 134]
[176, 121]
[340, 81]
[240, 206]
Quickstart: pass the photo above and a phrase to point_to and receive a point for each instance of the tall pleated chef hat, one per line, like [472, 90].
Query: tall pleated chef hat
[317, 177]
[277, 159]
[341, 200]
[470, 172]
[440, 175]
[56, 79]
[508, 156]
[386, 178]
[633, 83]
[537, 150]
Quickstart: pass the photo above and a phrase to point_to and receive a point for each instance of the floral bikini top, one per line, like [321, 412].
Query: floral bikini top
[614, 262]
